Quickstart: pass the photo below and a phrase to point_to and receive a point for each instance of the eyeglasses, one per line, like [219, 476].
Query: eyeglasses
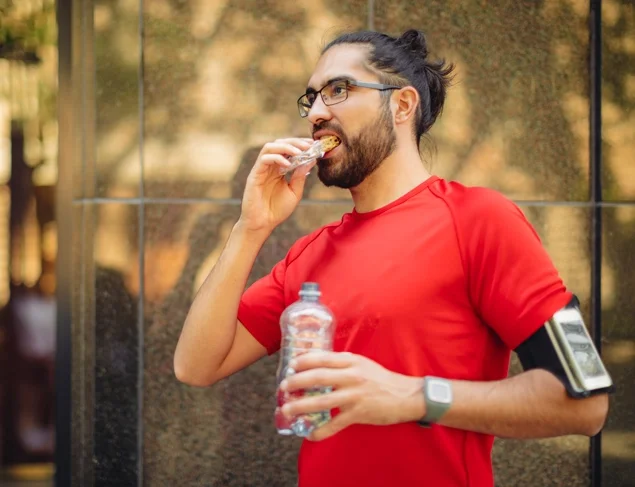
[335, 92]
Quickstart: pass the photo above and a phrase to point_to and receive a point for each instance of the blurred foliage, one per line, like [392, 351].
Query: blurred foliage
[22, 34]
[28, 40]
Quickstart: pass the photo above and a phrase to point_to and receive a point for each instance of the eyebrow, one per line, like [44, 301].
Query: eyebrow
[310, 89]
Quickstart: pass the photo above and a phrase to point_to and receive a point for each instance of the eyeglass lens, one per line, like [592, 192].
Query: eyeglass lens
[335, 92]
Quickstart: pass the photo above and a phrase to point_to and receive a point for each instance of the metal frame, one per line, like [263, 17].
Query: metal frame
[595, 183]
[64, 211]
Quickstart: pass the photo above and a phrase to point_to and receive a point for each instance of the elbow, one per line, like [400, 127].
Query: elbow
[597, 412]
[191, 377]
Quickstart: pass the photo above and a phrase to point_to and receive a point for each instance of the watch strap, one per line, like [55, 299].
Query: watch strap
[435, 409]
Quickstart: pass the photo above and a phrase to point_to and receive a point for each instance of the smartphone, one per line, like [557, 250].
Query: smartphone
[577, 353]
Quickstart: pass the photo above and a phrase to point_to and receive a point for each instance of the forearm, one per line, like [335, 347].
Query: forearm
[210, 326]
[533, 404]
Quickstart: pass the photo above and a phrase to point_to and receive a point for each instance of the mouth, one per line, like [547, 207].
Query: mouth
[318, 134]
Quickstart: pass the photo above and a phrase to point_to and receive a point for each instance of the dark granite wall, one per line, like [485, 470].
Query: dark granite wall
[177, 100]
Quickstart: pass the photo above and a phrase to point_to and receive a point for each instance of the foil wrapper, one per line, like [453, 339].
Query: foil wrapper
[312, 153]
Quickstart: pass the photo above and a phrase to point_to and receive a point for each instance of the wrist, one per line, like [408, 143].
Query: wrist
[415, 407]
[243, 231]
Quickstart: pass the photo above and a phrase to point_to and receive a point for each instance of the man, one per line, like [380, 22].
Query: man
[433, 284]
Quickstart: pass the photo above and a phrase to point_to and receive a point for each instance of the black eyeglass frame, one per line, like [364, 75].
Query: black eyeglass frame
[349, 82]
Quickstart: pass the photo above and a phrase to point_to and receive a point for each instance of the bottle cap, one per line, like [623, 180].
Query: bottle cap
[310, 289]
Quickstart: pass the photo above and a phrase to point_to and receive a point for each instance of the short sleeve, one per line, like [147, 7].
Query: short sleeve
[513, 284]
[261, 306]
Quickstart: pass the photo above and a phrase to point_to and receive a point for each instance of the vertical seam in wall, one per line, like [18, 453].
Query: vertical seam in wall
[83, 99]
[88, 382]
[371, 14]
[90, 93]
[141, 311]
[83, 335]
[68, 152]
[595, 182]
[82, 342]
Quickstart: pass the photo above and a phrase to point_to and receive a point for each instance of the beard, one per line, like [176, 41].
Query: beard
[362, 154]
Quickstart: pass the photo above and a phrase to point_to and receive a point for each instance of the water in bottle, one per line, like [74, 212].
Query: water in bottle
[307, 326]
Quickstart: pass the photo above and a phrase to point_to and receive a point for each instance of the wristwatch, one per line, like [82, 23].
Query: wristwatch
[437, 394]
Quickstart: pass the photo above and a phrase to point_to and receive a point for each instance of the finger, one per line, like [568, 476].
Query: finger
[337, 424]
[333, 360]
[296, 184]
[321, 377]
[274, 159]
[288, 147]
[298, 179]
[301, 142]
[317, 403]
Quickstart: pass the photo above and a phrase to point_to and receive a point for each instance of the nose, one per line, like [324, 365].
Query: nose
[319, 112]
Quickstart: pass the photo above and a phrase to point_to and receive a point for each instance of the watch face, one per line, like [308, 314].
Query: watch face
[439, 391]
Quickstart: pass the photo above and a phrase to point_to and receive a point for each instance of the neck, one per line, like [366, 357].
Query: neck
[399, 173]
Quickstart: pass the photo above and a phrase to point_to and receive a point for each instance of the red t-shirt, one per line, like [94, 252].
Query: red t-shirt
[444, 281]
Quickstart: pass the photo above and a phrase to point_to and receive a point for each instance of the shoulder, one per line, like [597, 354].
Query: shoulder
[477, 207]
[472, 201]
[485, 218]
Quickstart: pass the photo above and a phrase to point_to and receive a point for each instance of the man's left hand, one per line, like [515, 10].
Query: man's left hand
[363, 391]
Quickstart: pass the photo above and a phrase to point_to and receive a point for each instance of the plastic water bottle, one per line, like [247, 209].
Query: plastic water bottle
[307, 326]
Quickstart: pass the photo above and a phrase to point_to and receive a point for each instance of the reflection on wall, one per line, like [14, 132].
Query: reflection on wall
[516, 120]
[618, 309]
[219, 78]
[618, 100]
[618, 306]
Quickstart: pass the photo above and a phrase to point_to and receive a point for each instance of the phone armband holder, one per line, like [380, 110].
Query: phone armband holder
[564, 347]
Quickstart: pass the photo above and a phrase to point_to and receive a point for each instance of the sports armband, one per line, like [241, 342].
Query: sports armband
[564, 347]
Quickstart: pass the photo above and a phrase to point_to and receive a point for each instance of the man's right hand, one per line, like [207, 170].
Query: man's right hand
[269, 199]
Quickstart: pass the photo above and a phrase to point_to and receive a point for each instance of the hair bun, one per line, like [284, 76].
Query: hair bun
[414, 41]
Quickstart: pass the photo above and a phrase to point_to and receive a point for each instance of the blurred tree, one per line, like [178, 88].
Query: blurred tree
[21, 36]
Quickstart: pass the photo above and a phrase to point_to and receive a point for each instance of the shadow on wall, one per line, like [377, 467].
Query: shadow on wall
[116, 370]
[231, 424]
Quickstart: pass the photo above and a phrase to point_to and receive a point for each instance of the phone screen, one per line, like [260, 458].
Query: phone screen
[580, 350]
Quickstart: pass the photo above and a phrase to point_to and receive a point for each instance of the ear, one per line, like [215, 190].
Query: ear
[406, 101]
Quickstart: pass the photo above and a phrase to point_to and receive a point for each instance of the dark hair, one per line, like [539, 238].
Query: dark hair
[403, 61]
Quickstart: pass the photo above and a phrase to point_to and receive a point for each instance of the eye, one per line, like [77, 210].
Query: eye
[338, 89]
